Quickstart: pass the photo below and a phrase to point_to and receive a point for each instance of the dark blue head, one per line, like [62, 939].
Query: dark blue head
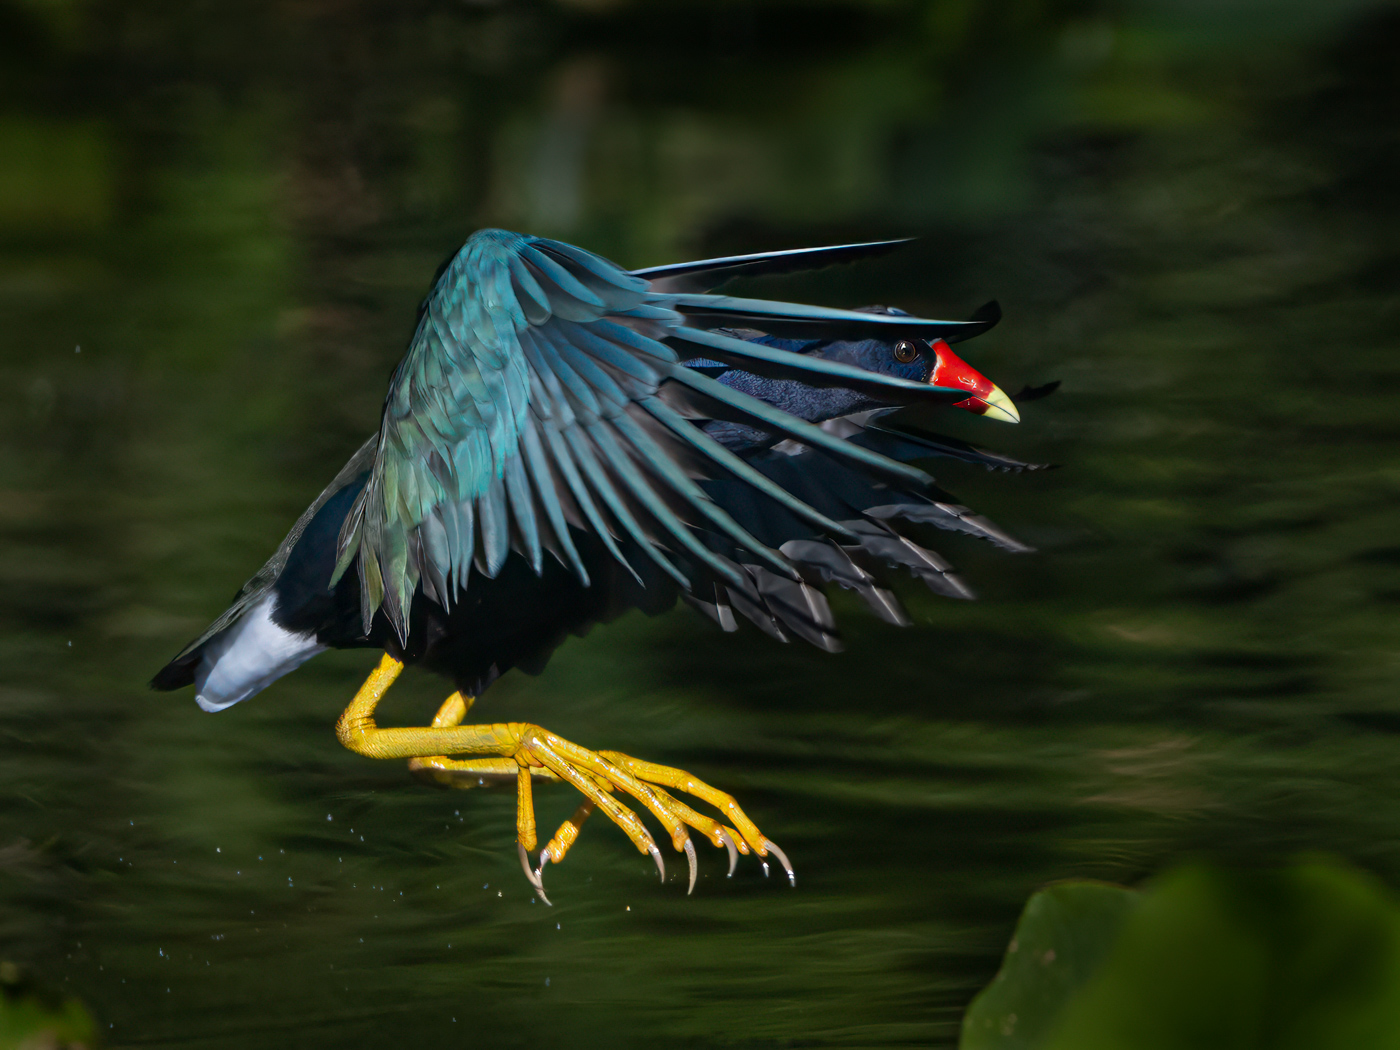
[922, 361]
[917, 360]
[909, 359]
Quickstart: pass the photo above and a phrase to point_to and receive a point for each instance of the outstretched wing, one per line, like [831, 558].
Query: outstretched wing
[540, 394]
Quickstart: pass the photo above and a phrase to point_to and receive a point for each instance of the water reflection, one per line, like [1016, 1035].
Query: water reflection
[1190, 221]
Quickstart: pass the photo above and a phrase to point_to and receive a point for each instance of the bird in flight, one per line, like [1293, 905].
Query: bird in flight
[566, 440]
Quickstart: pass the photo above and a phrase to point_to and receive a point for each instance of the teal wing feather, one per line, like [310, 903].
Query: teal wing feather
[540, 394]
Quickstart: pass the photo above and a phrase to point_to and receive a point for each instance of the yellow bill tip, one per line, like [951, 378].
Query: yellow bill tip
[999, 406]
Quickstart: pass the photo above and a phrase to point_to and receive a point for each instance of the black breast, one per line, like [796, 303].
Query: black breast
[518, 619]
[515, 620]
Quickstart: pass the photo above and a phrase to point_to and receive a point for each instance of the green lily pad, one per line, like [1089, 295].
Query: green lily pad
[1307, 958]
[1063, 936]
[1303, 958]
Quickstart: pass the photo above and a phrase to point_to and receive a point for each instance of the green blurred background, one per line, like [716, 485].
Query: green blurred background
[215, 223]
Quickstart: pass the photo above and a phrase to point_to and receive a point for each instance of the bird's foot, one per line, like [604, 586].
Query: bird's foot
[744, 840]
[600, 777]
[494, 752]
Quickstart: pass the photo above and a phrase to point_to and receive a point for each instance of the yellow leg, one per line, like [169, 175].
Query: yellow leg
[453, 710]
[531, 751]
[460, 773]
[469, 773]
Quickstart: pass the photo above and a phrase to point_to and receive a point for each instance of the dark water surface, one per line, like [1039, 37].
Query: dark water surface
[215, 224]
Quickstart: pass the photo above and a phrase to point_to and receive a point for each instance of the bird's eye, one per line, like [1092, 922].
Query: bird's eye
[905, 351]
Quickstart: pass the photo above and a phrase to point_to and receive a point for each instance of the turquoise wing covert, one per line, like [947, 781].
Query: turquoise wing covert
[537, 396]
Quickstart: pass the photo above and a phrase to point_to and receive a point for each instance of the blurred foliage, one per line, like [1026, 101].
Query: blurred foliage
[54, 179]
[36, 1019]
[215, 224]
[1304, 956]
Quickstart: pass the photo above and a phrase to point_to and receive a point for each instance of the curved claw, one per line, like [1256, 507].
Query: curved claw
[782, 859]
[601, 777]
[690, 859]
[733, 851]
[539, 874]
[536, 880]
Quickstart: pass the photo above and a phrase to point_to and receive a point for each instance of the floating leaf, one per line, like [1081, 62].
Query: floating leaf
[1064, 934]
[1303, 958]
[1307, 958]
